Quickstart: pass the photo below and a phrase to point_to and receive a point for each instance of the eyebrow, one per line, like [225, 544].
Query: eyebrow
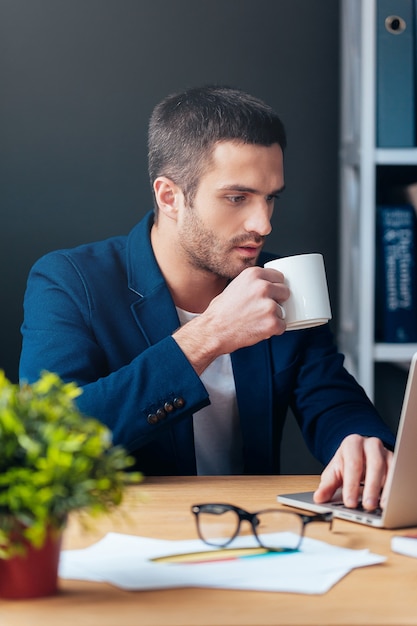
[244, 189]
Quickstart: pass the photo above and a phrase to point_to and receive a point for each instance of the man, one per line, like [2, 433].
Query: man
[175, 332]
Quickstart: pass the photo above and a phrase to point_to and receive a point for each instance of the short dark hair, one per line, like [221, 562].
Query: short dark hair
[185, 127]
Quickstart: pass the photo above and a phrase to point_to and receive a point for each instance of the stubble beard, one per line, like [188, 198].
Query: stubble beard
[204, 251]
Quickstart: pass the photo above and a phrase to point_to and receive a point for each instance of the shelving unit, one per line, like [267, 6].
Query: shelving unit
[359, 162]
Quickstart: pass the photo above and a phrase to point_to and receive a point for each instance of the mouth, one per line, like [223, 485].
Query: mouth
[249, 251]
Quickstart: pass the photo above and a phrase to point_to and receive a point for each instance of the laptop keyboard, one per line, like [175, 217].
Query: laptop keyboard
[360, 509]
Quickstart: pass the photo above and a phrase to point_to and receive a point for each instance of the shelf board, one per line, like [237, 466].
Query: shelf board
[396, 156]
[394, 352]
[350, 155]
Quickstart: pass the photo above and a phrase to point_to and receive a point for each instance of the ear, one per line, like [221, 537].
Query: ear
[167, 195]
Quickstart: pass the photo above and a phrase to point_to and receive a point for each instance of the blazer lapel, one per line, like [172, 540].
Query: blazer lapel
[157, 318]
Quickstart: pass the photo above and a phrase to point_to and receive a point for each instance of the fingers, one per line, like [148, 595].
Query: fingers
[267, 288]
[278, 289]
[359, 460]
[376, 472]
[330, 480]
[354, 469]
[390, 457]
[273, 276]
[344, 471]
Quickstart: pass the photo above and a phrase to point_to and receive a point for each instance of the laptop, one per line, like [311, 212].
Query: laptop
[401, 504]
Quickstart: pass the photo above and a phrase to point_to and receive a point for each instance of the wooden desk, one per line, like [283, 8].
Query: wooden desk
[378, 595]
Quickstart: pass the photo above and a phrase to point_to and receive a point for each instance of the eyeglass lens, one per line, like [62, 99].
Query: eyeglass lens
[276, 530]
[220, 526]
[279, 530]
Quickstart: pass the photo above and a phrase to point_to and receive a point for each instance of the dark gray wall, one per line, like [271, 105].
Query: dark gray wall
[78, 81]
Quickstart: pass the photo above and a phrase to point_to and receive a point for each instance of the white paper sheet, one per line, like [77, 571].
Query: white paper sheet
[126, 562]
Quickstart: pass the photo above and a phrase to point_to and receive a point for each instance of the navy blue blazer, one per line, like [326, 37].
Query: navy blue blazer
[101, 315]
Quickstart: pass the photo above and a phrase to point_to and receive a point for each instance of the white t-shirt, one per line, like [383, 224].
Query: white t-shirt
[217, 434]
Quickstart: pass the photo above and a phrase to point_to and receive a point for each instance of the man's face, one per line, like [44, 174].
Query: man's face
[224, 231]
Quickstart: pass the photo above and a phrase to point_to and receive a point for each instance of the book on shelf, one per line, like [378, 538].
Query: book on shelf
[395, 74]
[396, 274]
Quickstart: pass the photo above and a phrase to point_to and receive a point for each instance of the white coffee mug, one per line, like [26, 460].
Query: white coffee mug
[308, 304]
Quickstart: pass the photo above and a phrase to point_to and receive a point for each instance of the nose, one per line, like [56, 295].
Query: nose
[259, 218]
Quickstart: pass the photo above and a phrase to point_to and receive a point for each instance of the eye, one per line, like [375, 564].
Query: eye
[273, 197]
[236, 199]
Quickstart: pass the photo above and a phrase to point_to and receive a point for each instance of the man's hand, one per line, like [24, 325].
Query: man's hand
[246, 312]
[358, 460]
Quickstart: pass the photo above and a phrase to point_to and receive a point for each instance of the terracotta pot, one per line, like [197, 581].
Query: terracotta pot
[34, 574]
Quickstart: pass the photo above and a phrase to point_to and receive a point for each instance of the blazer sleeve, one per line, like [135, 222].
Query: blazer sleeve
[328, 402]
[143, 390]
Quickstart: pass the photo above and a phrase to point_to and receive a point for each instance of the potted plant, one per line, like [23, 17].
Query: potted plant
[53, 460]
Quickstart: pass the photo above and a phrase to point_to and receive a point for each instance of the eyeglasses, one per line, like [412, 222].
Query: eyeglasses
[275, 530]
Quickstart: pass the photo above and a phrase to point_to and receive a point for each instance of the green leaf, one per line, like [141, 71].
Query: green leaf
[53, 460]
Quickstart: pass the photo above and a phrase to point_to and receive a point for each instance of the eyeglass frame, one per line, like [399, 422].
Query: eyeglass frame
[244, 515]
